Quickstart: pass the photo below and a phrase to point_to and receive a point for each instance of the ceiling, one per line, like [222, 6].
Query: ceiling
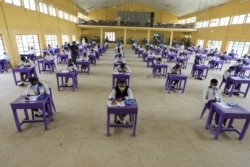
[176, 7]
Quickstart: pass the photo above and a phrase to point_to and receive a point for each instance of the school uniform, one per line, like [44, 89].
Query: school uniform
[116, 93]
[127, 69]
[212, 95]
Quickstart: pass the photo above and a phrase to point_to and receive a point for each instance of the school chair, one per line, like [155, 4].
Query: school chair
[206, 106]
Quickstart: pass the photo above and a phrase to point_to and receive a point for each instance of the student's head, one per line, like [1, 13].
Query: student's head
[158, 59]
[34, 82]
[122, 65]
[70, 61]
[231, 69]
[177, 66]
[213, 82]
[23, 58]
[121, 84]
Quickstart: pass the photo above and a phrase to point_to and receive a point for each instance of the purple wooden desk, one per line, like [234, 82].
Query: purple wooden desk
[196, 71]
[21, 104]
[117, 110]
[242, 70]
[81, 63]
[182, 61]
[202, 57]
[163, 68]
[234, 112]
[175, 77]
[43, 63]
[30, 56]
[29, 71]
[62, 58]
[216, 64]
[92, 58]
[171, 57]
[227, 59]
[119, 75]
[235, 81]
[150, 60]
[62, 75]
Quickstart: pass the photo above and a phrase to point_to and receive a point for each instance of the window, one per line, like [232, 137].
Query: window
[43, 8]
[65, 38]
[52, 11]
[200, 43]
[73, 38]
[239, 19]
[60, 14]
[81, 16]
[183, 21]
[51, 40]
[205, 24]
[224, 21]
[66, 16]
[73, 18]
[14, 2]
[198, 25]
[30, 4]
[191, 20]
[110, 35]
[214, 23]
[1, 45]
[239, 47]
[248, 18]
[24, 42]
[214, 44]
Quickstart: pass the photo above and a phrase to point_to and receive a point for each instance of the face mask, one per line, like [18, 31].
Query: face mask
[35, 86]
[121, 88]
[214, 87]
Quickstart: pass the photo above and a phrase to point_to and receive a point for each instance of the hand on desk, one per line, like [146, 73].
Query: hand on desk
[113, 102]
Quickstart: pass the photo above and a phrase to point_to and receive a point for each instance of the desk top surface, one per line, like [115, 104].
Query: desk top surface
[235, 109]
[129, 103]
[239, 78]
[21, 100]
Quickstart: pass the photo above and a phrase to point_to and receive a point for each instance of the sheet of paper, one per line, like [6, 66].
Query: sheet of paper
[223, 105]
[118, 104]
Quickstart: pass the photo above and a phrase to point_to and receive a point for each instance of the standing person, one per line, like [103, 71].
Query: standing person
[25, 63]
[120, 93]
[74, 51]
[36, 88]
[212, 94]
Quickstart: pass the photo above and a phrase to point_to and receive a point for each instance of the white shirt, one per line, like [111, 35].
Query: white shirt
[212, 94]
[113, 92]
[41, 89]
[28, 63]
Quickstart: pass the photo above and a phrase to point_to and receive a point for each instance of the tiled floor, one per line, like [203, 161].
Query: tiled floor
[169, 131]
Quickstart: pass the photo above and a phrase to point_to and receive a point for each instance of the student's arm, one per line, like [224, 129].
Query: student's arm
[32, 64]
[28, 91]
[130, 94]
[46, 88]
[205, 95]
[112, 94]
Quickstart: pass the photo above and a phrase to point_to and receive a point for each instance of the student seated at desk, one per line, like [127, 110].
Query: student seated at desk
[120, 93]
[212, 94]
[122, 68]
[197, 61]
[36, 88]
[84, 58]
[119, 58]
[158, 60]
[71, 67]
[48, 56]
[228, 73]
[175, 70]
[25, 63]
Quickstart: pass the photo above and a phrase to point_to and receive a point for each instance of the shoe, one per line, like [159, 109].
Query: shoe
[66, 84]
[200, 78]
[216, 126]
[22, 84]
[40, 113]
[172, 86]
[236, 93]
[124, 122]
[118, 122]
